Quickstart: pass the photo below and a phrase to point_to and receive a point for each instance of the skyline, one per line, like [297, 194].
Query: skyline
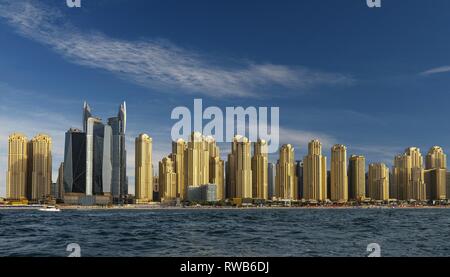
[196, 164]
[318, 71]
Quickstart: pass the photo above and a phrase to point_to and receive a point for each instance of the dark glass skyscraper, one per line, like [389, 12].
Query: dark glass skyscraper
[75, 162]
[101, 157]
[119, 183]
[95, 159]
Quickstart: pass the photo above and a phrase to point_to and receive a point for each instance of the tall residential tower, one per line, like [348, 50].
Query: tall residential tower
[357, 178]
[239, 172]
[17, 174]
[378, 182]
[178, 156]
[143, 169]
[286, 180]
[408, 173]
[167, 180]
[41, 166]
[260, 165]
[315, 173]
[435, 174]
[339, 181]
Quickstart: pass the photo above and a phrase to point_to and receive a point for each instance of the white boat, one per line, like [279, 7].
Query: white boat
[50, 209]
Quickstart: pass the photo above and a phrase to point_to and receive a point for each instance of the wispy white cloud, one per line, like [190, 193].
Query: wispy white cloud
[157, 63]
[436, 70]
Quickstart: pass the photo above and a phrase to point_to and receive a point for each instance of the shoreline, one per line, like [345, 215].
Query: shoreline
[206, 208]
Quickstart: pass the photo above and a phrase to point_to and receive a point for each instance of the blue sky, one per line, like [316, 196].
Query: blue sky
[375, 80]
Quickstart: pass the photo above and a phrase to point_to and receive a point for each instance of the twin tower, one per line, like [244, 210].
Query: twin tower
[29, 174]
[95, 157]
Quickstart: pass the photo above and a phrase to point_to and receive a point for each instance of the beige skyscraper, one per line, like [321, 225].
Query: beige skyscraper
[197, 161]
[286, 179]
[339, 179]
[143, 169]
[41, 174]
[436, 158]
[357, 178]
[178, 156]
[17, 174]
[260, 166]
[167, 180]
[216, 168]
[408, 174]
[378, 182]
[315, 173]
[435, 174]
[239, 175]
